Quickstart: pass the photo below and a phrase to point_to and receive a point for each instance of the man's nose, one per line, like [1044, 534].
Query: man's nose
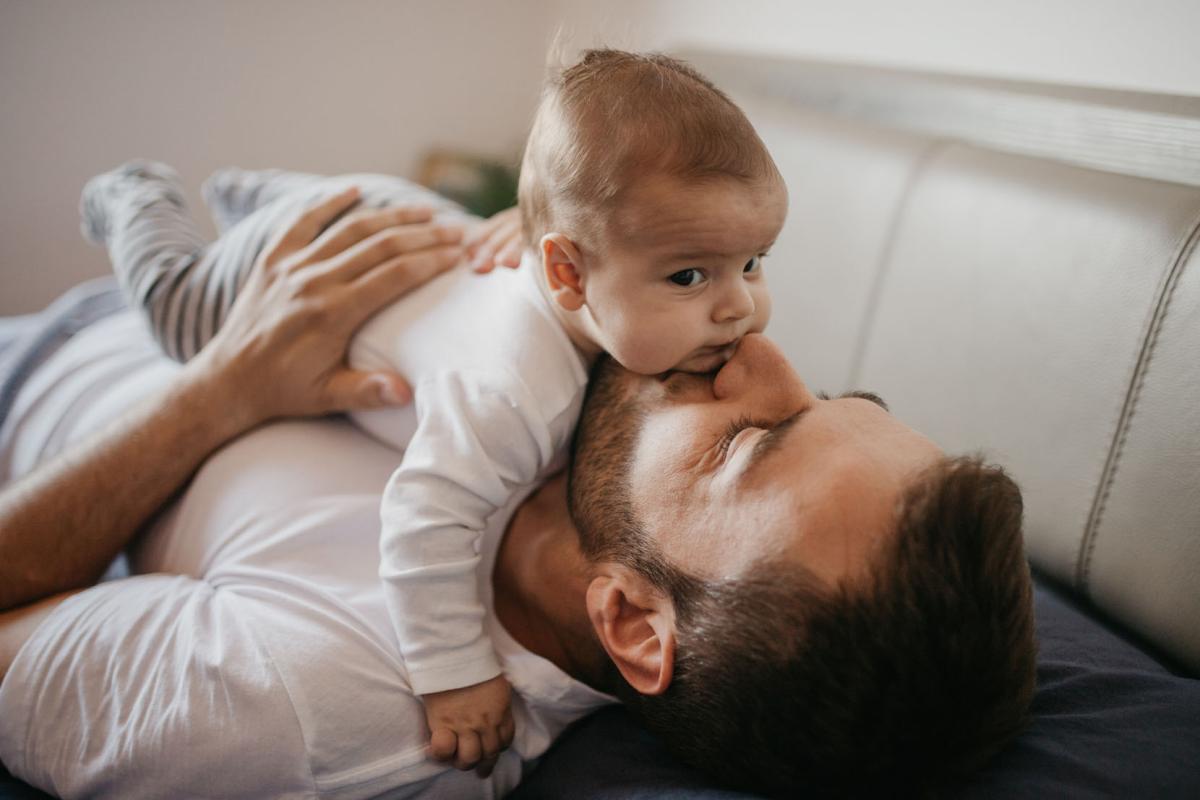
[734, 303]
[759, 368]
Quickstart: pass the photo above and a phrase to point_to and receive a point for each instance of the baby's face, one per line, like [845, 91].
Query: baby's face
[680, 280]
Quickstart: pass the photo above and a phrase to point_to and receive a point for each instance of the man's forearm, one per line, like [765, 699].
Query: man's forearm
[64, 523]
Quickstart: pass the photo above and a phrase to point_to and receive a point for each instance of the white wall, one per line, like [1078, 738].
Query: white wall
[1145, 45]
[320, 86]
[368, 85]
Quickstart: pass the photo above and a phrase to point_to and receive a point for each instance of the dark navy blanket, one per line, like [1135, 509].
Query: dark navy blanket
[1108, 721]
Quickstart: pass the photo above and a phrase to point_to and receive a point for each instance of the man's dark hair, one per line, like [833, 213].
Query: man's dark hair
[901, 680]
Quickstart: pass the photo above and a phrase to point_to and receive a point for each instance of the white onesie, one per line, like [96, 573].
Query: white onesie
[498, 387]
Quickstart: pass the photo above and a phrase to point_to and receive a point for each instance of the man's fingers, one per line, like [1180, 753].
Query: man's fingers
[485, 255]
[469, 751]
[387, 244]
[353, 390]
[502, 246]
[510, 255]
[354, 228]
[480, 233]
[394, 278]
[311, 222]
[443, 744]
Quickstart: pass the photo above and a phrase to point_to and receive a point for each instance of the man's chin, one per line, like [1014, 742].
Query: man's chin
[607, 375]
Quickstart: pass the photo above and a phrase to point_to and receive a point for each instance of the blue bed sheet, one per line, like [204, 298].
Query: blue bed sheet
[1108, 721]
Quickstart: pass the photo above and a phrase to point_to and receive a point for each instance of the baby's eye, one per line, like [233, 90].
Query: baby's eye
[753, 265]
[686, 277]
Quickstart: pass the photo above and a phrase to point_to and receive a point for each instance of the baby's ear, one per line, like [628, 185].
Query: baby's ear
[561, 262]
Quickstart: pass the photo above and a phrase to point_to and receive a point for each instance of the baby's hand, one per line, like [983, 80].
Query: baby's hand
[470, 726]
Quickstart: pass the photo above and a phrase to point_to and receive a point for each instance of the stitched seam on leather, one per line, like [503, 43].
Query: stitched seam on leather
[1107, 477]
[866, 326]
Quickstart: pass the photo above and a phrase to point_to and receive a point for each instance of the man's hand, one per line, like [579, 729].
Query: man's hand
[497, 240]
[471, 726]
[281, 352]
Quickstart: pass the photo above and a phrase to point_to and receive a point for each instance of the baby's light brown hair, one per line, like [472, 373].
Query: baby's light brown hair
[615, 117]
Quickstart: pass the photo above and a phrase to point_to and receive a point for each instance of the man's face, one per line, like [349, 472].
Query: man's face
[725, 471]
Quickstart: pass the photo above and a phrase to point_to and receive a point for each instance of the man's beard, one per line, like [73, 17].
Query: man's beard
[598, 483]
[599, 498]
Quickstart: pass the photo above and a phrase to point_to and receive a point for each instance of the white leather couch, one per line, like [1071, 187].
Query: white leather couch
[1045, 313]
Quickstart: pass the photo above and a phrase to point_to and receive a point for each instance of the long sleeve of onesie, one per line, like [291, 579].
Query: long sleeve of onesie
[480, 437]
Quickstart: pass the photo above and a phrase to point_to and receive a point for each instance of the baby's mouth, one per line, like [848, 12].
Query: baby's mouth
[707, 359]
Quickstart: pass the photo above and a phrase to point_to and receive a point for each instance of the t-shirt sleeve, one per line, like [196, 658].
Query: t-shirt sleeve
[147, 687]
[480, 437]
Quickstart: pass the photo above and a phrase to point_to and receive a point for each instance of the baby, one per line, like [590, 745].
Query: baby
[649, 203]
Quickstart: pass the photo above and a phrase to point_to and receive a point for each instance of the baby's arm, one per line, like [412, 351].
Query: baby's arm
[480, 438]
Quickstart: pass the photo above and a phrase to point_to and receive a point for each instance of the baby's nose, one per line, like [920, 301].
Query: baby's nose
[735, 303]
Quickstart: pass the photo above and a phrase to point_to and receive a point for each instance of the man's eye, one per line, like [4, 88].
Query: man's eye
[735, 427]
[686, 277]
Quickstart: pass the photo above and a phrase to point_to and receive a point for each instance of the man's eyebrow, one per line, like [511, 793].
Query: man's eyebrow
[861, 395]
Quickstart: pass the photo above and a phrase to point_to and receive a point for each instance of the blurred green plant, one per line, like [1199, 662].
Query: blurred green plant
[483, 186]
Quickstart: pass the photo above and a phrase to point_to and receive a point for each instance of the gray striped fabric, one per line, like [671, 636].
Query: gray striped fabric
[185, 286]
[27, 342]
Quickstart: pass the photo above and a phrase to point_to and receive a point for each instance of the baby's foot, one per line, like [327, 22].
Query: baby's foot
[232, 194]
[229, 196]
[129, 188]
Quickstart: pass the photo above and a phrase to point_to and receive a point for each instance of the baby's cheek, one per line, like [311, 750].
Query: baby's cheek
[649, 355]
[762, 310]
[650, 349]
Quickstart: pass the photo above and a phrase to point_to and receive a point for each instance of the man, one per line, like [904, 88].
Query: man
[800, 591]
[788, 589]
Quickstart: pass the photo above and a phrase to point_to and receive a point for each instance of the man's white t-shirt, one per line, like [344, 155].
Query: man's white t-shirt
[252, 655]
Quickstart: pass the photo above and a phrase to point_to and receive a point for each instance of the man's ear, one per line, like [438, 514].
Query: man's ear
[561, 262]
[636, 626]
